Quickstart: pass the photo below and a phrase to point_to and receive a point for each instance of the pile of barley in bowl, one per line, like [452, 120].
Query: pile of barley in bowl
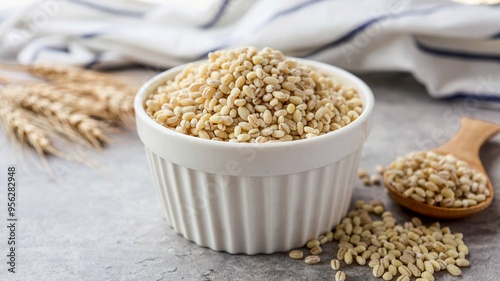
[251, 95]
[440, 180]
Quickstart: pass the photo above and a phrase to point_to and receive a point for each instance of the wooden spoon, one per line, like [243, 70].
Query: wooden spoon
[465, 146]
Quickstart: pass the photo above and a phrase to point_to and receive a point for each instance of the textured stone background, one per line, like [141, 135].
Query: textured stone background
[106, 223]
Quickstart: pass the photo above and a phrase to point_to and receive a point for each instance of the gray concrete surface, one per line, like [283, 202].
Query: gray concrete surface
[106, 223]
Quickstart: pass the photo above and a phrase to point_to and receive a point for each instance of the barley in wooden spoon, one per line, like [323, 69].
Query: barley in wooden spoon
[448, 182]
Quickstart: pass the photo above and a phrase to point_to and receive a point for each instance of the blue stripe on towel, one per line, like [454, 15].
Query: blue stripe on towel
[496, 36]
[475, 97]
[107, 9]
[47, 48]
[266, 22]
[456, 54]
[217, 16]
[349, 35]
[91, 34]
[211, 23]
[285, 12]
[94, 61]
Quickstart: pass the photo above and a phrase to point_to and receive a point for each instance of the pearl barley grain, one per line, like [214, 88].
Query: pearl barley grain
[348, 257]
[340, 276]
[335, 264]
[362, 173]
[312, 243]
[316, 250]
[453, 270]
[462, 262]
[378, 270]
[296, 254]
[375, 179]
[312, 259]
[387, 276]
[403, 278]
[380, 169]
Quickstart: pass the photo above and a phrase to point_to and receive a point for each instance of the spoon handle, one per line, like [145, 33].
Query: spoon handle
[466, 143]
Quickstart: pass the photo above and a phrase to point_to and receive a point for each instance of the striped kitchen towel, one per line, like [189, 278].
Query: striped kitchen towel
[452, 48]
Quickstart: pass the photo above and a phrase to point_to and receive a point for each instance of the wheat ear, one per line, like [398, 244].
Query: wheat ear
[17, 122]
[59, 114]
[74, 99]
[115, 95]
[116, 102]
[74, 74]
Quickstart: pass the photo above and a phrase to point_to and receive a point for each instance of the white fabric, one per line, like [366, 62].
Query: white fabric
[453, 49]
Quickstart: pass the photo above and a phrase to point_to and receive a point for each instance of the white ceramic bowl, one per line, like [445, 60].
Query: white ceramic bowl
[254, 198]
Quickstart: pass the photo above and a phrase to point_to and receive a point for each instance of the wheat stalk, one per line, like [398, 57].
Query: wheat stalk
[117, 96]
[58, 113]
[118, 103]
[83, 103]
[18, 123]
[67, 73]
